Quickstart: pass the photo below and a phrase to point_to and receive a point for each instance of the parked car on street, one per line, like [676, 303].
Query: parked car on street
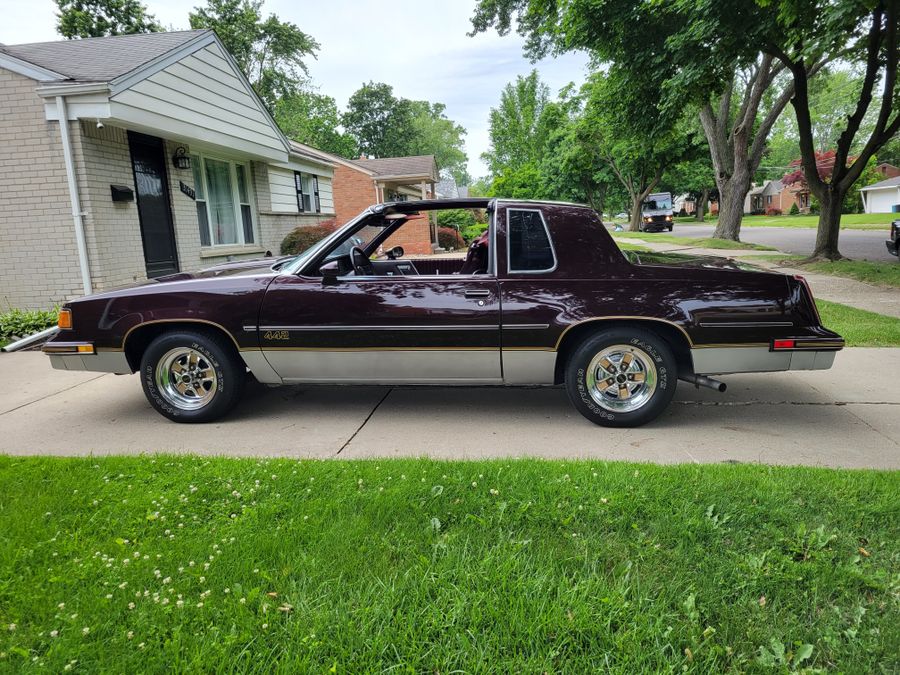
[545, 298]
[893, 244]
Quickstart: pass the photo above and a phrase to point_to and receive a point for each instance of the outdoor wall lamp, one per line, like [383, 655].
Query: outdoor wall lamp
[181, 160]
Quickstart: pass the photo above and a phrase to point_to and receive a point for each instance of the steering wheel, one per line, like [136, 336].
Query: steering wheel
[362, 266]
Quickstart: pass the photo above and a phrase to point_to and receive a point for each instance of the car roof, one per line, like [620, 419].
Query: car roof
[467, 203]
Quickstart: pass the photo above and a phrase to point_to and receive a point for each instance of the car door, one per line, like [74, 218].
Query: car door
[441, 329]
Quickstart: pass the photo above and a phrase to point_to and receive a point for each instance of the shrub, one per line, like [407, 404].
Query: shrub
[814, 206]
[472, 232]
[455, 218]
[302, 237]
[772, 211]
[795, 210]
[449, 239]
[18, 323]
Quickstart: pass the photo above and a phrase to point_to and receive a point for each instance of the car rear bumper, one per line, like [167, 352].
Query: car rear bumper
[813, 355]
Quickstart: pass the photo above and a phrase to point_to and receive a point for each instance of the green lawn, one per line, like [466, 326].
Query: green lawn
[886, 274]
[859, 327]
[210, 564]
[659, 238]
[849, 221]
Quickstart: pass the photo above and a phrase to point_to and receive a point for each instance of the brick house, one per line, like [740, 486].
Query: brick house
[359, 183]
[131, 157]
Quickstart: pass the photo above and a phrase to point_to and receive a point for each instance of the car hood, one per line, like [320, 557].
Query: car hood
[226, 269]
[682, 260]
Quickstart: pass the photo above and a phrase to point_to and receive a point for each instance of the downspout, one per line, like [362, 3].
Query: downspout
[77, 214]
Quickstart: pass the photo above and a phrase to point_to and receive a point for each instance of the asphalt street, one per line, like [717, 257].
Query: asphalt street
[846, 416]
[855, 244]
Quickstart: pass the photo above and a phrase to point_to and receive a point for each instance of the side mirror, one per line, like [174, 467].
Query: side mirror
[330, 272]
[396, 252]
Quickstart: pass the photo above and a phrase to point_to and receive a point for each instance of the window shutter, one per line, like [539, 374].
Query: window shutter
[316, 193]
[298, 183]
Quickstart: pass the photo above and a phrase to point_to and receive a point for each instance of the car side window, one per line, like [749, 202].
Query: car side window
[529, 247]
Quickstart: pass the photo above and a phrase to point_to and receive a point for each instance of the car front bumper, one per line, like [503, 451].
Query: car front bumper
[101, 362]
[893, 246]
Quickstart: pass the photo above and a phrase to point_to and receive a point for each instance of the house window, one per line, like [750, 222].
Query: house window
[307, 186]
[528, 242]
[224, 210]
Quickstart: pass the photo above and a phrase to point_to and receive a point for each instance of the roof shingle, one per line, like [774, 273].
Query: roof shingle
[419, 165]
[100, 59]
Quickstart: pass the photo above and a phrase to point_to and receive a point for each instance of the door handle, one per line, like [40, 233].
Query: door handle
[478, 294]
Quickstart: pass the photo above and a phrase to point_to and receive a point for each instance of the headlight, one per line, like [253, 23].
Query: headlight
[668, 217]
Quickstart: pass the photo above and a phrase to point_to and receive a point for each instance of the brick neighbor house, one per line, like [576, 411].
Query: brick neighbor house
[359, 183]
[130, 157]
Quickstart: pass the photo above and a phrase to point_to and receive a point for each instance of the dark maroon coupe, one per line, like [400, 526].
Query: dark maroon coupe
[546, 297]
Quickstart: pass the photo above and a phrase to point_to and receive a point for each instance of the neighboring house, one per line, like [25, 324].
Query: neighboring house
[165, 161]
[775, 195]
[881, 197]
[888, 170]
[359, 183]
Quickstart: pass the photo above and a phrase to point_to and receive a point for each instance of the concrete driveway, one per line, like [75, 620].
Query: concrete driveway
[848, 416]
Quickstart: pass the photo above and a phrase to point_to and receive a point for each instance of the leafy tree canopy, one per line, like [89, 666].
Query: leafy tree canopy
[269, 51]
[384, 125]
[313, 118]
[99, 18]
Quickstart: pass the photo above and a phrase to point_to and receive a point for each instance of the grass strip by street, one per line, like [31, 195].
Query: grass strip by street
[883, 273]
[859, 327]
[849, 221]
[212, 564]
[659, 238]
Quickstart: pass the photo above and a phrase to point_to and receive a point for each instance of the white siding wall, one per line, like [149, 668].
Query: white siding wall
[200, 97]
[284, 193]
[881, 201]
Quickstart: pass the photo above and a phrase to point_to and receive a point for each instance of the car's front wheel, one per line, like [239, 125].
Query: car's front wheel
[192, 376]
[622, 377]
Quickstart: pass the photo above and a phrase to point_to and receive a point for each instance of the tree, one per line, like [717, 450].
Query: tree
[694, 177]
[99, 18]
[518, 128]
[637, 149]
[312, 118]
[269, 51]
[699, 51]
[379, 122]
[434, 134]
[801, 34]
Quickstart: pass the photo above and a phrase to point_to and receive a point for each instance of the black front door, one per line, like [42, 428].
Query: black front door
[148, 158]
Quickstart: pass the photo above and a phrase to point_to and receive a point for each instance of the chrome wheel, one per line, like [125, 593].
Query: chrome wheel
[186, 378]
[621, 378]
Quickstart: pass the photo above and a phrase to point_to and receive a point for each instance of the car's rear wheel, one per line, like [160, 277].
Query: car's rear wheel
[192, 376]
[622, 377]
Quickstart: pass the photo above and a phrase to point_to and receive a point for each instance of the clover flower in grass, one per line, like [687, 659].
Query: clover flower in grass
[129, 634]
[85, 630]
[12, 627]
[54, 633]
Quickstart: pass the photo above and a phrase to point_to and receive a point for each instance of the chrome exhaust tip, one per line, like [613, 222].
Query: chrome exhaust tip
[703, 381]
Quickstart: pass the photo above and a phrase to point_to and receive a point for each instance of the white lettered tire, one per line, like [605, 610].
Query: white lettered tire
[621, 377]
[192, 376]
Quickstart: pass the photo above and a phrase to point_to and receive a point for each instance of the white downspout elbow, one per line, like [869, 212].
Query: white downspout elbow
[77, 214]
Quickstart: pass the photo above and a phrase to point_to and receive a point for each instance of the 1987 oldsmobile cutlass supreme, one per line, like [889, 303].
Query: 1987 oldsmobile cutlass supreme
[544, 297]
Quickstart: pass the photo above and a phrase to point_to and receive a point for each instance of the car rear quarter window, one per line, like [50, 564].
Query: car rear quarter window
[530, 249]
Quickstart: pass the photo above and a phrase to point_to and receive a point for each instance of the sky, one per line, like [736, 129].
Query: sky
[417, 46]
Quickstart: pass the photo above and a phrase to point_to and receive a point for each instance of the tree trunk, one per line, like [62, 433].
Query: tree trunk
[636, 214]
[700, 210]
[732, 193]
[831, 203]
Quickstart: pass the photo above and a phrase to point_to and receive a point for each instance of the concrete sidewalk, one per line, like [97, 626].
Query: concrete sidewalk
[880, 299]
[848, 416]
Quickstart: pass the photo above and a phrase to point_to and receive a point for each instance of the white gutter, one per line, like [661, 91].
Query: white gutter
[77, 214]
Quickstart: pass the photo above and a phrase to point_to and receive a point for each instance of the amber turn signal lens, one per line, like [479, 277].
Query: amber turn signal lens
[64, 321]
[85, 349]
